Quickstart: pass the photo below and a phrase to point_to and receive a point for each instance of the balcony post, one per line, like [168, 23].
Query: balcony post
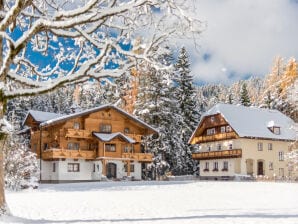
[128, 168]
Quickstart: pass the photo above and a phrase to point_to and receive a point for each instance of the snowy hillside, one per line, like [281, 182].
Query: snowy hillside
[156, 202]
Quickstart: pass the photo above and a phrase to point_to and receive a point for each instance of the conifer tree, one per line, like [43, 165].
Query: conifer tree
[244, 97]
[188, 107]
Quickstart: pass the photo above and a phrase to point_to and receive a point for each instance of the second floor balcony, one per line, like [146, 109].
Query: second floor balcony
[54, 153]
[215, 137]
[224, 154]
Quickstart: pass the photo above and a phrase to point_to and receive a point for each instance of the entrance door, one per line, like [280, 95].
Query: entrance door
[111, 170]
[260, 168]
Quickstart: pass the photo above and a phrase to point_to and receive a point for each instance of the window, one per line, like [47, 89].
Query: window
[225, 166]
[54, 167]
[211, 131]
[110, 147]
[212, 119]
[281, 172]
[34, 149]
[215, 166]
[228, 128]
[45, 146]
[276, 130]
[260, 146]
[73, 167]
[76, 125]
[93, 146]
[126, 130]
[281, 156]
[222, 129]
[128, 148]
[132, 167]
[270, 165]
[93, 167]
[206, 166]
[209, 148]
[105, 128]
[218, 146]
[230, 146]
[269, 146]
[73, 145]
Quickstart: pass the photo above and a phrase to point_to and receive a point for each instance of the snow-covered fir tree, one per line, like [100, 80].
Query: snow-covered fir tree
[244, 97]
[188, 108]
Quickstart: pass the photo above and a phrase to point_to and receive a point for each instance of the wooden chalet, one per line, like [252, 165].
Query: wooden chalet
[101, 142]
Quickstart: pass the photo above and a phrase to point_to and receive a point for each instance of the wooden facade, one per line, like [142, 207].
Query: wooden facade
[74, 137]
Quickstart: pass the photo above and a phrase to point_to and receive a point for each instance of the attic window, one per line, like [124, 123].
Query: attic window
[212, 119]
[276, 130]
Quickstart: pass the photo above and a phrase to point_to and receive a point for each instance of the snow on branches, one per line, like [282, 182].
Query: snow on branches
[47, 44]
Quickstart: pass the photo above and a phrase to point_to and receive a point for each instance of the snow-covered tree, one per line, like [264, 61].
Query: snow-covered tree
[78, 40]
[20, 164]
[244, 97]
[188, 108]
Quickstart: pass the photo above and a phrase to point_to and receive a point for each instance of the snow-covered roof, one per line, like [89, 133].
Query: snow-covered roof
[252, 122]
[95, 109]
[108, 137]
[41, 116]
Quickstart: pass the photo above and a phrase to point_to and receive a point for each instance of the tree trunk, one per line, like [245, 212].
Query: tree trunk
[3, 207]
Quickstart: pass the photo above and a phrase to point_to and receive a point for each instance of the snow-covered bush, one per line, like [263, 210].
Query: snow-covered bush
[20, 164]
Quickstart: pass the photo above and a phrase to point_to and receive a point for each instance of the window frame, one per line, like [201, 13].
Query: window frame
[73, 167]
[76, 125]
[260, 146]
[110, 147]
[281, 156]
[270, 146]
[105, 128]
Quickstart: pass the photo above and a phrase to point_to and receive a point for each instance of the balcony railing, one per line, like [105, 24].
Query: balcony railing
[233, 153]
[67, 153]
[216, 137]
[137, 138]
[36, 134]
[78, 133]
[143, 157]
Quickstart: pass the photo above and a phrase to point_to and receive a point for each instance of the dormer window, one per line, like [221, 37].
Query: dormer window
[273, 127]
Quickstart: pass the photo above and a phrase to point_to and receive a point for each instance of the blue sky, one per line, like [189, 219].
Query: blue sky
[242, 38]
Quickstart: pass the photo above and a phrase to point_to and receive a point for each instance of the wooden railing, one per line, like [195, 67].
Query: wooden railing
[216, 137]
[233, 153]
[67, 153]
[143, 157]
[78, 133]
[137, 138]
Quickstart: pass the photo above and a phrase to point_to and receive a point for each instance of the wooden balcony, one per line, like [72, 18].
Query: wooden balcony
[36, 135]
[78, 133]
[142, 157]
[50, 154]
[225, 154]
[216, 137]
[137, 138]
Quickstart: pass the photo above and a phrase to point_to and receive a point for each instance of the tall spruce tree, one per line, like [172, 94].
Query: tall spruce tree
[188, 108]
[244, 97]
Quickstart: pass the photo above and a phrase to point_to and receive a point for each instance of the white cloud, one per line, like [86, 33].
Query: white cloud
[243, 37]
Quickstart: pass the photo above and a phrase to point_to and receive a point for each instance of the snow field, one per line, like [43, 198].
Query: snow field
[157, 202]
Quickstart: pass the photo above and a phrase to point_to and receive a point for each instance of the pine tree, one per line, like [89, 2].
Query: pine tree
[244, 97]
[188, 108]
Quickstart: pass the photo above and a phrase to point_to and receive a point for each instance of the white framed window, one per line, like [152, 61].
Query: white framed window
[132, 168]
[260, 146]
[281, 156]
[73, 145]
[212, 119]
[73, 167]
[222, 129]
[105, 128]
[211, 131]
[76, 125]
[270, 165]
[110, 147]
[270, 147]
[218, 146]
[228, 128]
[215, 166]
[225, 166]
[206, 166]
[230, 145]
[276, 130]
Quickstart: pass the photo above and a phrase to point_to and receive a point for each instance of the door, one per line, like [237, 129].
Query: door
[111, 170]
[260, 168]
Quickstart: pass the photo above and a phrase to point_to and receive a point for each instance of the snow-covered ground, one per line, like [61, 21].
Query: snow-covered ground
[156, 202]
